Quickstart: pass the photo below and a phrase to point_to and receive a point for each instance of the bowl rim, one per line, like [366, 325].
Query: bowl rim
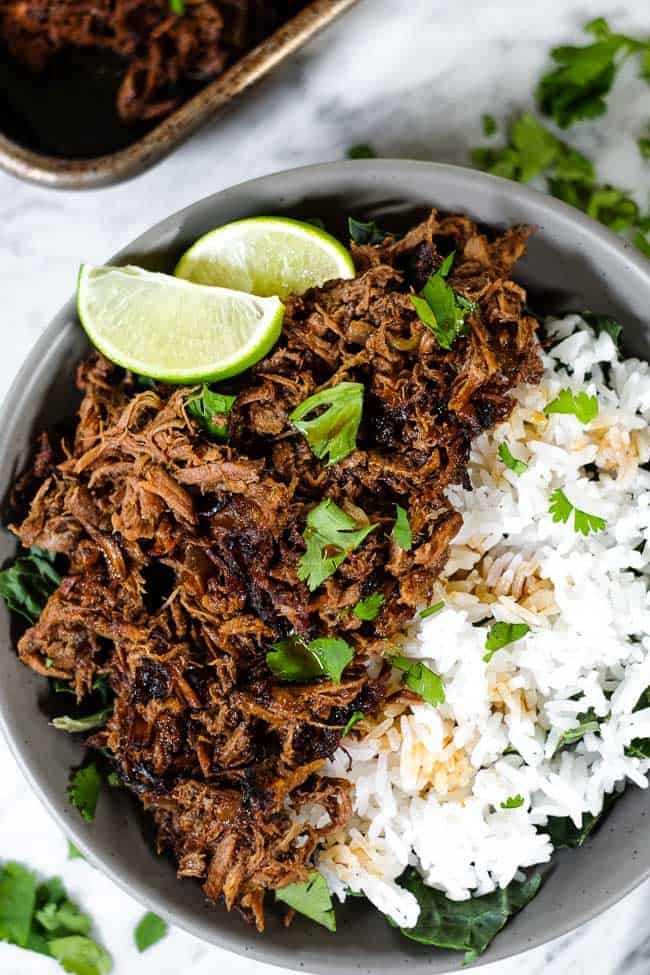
[55, 803]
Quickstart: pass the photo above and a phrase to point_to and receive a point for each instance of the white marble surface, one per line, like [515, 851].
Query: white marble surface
[413, 79]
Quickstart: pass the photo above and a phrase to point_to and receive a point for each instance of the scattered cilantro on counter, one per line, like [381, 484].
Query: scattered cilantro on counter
[311, 898]
[74, 853]
[561, 509]
[332, 432]
[149, 931]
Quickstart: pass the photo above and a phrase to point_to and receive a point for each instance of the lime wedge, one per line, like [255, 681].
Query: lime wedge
[266, 256]
[160, 326]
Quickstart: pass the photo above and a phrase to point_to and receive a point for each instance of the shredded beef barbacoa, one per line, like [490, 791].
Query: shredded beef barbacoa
[161, 49]
[183, 551]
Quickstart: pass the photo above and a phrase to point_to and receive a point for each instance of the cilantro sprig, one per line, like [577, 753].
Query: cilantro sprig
[330, 536]
[421, 680]
[580, 405]
[432, 610]
[501, 635]
[402, 534]
[332, 432]
[296, 659]
[441, 309]
[83, 790]
[561, 510]
[368, 608]
[211, 411]
[518, 467]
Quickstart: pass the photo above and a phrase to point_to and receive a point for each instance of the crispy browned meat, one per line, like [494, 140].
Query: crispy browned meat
[183, 552]
[161, 50]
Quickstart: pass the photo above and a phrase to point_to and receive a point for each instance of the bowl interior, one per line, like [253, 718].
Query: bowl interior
[571, 263]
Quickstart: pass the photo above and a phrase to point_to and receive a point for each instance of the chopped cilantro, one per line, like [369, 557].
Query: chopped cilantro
[402, 534]
[17, 903]
[296, 659]
[488, 125]
[311, 898]
[421, 680]
[354, 720]
[441, 309]
[585, 722]
[80, 955]
[517, 466]
[432, 610]
[149, 931]
[74, 853]
[582, 406]
[604, 323]
[368, 608]
[514, 802]
[330, 536]
[83, 790]
[365, 233]
[641, 241]
[332, 432]
[78, 725]
[211, 411]
[27, 583]
[177, 7]
[361, 151]
[532, 150]
[561, 509]
[501, 634]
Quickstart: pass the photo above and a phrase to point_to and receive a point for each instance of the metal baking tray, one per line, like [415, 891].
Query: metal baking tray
[130, 152]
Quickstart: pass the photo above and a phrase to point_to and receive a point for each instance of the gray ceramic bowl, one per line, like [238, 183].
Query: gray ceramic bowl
[572, 262]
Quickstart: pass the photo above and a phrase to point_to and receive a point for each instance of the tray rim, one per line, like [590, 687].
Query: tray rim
[176, 128]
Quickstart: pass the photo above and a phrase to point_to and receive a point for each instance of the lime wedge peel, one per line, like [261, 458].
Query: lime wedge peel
[266, 256]
[160, 326]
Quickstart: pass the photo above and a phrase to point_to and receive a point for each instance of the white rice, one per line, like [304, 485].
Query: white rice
[429, 782]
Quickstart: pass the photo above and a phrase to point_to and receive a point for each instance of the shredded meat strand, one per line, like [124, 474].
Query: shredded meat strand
[183, 552]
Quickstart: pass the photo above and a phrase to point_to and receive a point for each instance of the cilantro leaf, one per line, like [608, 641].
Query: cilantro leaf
[177, 7]
[149, 931]
[642, 242]
[211, 411]
[63, 918]
[354, 720]
[361, 151]
[294, 659]
[488, 125]
[17, 903]
[27, 584]
[468, 925]
[330, 536]
[441, 309]
[311, 898]
[74, 853]
[421, 680]
[513, 802]
[368, 608]
[365, 233]
[402, 534]
[585, 722]
[78, 725]
[501, 634]
[80, 956]
[432, 610]
[561, 509]
[580, 405]
[332, 432]
[517, 466]
[604, 323]
[83, 790]
[532, 150]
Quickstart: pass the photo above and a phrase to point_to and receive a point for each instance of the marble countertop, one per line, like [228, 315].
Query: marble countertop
[414, 85]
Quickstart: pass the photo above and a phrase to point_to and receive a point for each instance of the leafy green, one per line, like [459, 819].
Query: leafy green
[531, 151]
[642, 242]
[149, 931]
[17, 903]
[432, 610]
[517, 466]
[488, 125]
[501, 634]
[441, 309]
[604, 323]
[78, 725]
[332, 432]
[361, 151]
[311, 898]
[563, 832]
[83, 790]
[582, 406]
[468, 925]
[177, 7]
[644, 145]
[576, 89]
[81, 956]
[513, 802]
[354, 720]
[561, 509]
[368, 608]
[294, 659]
[421, 680]
[63, 917]
[74, 853]
[402, 534]
[330, 536]
[585, 723]
[365, 233]
[211, 411]
[27, 584]
[610, 205]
